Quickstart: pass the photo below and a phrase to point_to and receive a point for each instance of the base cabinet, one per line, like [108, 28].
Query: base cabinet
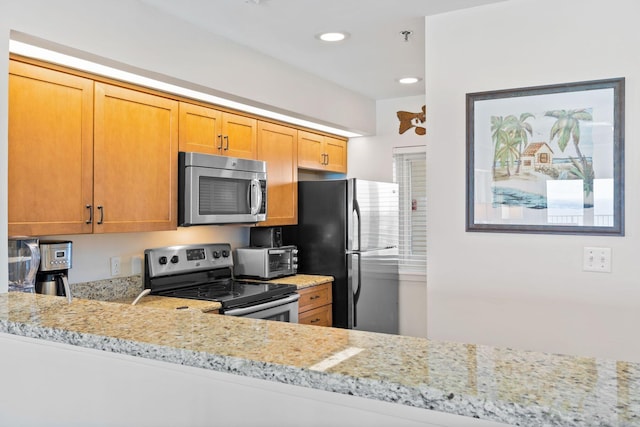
[315, 305]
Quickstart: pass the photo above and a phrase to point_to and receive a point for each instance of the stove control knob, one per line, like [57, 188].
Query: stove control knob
[225, 254]
[162, 260]
[174, 259]
[216, 254]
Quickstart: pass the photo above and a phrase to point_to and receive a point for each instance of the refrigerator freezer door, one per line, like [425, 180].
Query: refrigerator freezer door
[376, 309]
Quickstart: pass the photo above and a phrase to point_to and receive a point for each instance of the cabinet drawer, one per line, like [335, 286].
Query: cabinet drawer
[320, 316]
[314, 297]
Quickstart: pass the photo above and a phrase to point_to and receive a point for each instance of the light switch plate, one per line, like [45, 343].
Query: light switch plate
[597, 259]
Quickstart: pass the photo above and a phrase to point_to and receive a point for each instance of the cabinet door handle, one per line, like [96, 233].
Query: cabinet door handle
[101, 209]
[90, 220]
[226, 138]
[219, 147]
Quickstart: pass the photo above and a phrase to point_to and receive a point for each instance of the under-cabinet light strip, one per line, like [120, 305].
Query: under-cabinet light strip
[36, 52]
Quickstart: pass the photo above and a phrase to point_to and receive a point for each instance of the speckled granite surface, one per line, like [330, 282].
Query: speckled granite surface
[108, 289]
[303, 280]
[514, 387]
[167, 303]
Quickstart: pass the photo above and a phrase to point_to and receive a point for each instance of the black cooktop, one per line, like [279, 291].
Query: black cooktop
[231, 293]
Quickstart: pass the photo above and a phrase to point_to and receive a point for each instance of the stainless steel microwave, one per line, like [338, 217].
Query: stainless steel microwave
[220, 190]
[265, 263]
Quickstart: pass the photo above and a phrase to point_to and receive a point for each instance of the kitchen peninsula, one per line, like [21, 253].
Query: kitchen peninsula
[501, 385]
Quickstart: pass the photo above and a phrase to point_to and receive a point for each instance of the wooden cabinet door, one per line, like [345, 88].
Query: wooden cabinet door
[278, 146]
[200, 129]
[50, 151]
[135, 170]
[310, 150]
[239, 136]
[336, 154]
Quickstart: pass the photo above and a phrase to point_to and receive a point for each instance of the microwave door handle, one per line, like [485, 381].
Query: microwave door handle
[255, 201]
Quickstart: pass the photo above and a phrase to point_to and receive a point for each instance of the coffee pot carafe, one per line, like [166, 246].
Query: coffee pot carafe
[55, 262]
[24, 260]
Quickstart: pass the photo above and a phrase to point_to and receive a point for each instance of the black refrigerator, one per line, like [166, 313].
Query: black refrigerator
[348, 229]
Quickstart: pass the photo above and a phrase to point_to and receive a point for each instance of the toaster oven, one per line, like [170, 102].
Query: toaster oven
[266, 263]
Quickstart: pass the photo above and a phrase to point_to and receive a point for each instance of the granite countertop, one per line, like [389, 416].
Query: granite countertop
[168, 303]
[516, 387]
[303, 280]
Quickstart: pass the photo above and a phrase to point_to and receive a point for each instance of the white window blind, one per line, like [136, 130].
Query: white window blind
[410, 172]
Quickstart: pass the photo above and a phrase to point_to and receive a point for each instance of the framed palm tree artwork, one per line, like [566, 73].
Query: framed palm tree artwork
[547, 159]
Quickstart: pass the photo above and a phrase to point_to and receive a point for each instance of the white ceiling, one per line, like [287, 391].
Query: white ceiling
[369, 62]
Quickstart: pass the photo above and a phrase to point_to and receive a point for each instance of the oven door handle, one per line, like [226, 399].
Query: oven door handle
[258, 307]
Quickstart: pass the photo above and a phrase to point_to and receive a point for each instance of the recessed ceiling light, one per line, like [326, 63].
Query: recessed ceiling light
[332, 36]
[409, 80]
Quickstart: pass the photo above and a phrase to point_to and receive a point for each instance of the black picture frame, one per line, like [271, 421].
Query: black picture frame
[531, 151]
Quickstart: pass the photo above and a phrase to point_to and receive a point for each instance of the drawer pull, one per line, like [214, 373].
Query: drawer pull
[314, 297]
[316, 320]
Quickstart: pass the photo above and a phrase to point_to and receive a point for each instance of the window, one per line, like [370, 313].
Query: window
[410, 172]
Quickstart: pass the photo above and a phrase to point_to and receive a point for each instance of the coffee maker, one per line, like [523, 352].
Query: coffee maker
[55, 262]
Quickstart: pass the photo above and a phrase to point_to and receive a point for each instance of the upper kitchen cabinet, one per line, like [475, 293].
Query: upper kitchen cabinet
[278, 146]
[50, 151]
[210, 131]
[323, 153]
[135, 160]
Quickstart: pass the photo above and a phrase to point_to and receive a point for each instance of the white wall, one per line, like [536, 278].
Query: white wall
[135, 37]
[371, 158]
[520, 290]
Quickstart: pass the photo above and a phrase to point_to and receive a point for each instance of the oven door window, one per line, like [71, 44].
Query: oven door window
[279, 261]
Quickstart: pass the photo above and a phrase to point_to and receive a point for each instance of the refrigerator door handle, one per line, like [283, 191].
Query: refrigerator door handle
[356, 294]
[356, 210]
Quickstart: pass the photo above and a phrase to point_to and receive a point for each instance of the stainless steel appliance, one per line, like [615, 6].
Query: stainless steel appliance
[205, 272]
[55, 262]
[265, 237]
[266, 263]
[24, 260]
[220, 190]
[348, 229]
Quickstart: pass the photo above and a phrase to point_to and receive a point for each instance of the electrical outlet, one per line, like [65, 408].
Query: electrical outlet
[597, 259]
[115, 266]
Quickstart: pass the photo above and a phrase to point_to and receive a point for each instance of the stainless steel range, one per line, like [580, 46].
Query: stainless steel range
[205, 272]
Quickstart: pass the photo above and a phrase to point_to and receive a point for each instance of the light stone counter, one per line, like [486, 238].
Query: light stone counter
[303, 280]
[514, 387]
[167, 303]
